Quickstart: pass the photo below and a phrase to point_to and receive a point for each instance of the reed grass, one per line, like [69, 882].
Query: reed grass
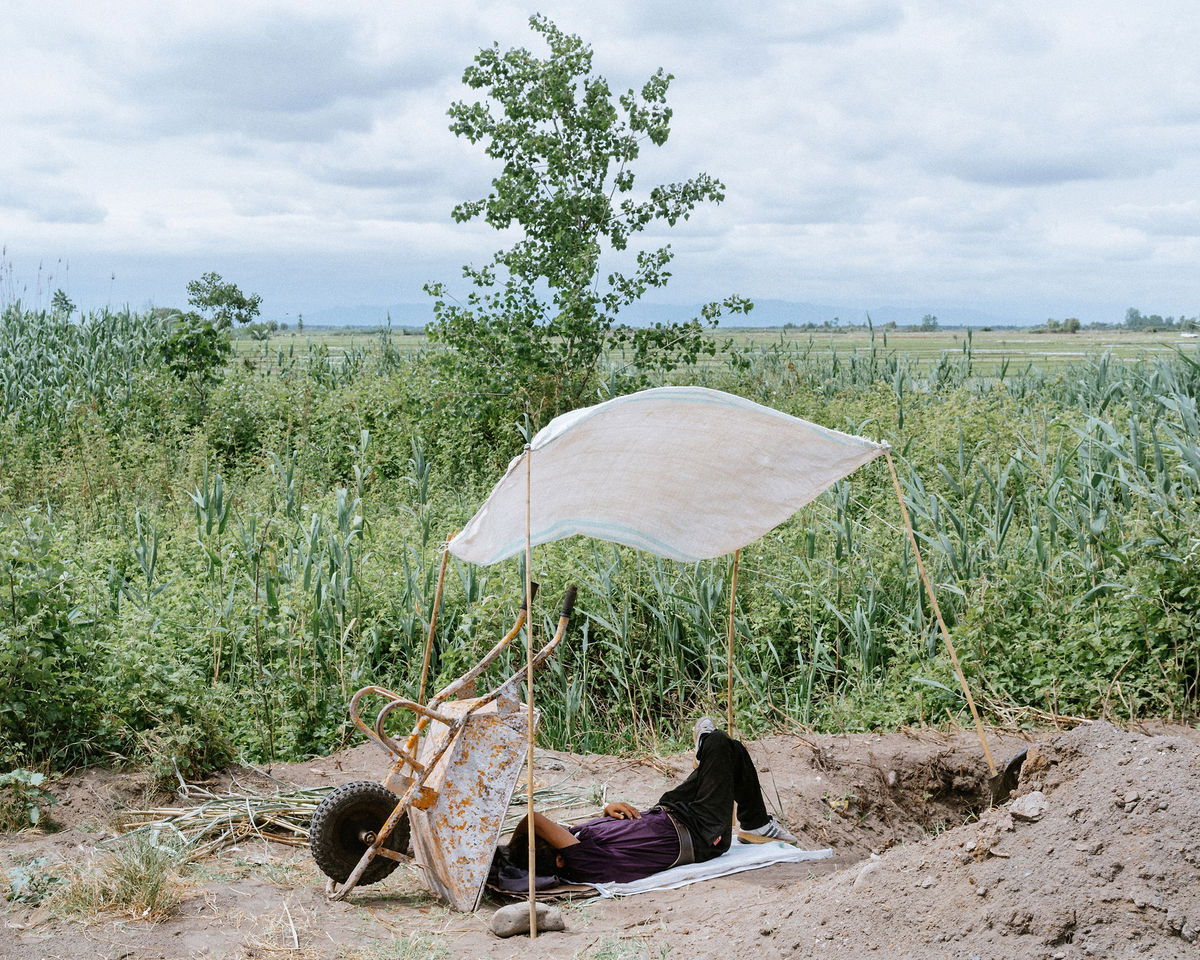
[236, 567]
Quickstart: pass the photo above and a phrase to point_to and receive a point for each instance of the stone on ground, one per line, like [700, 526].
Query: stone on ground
[513, 919]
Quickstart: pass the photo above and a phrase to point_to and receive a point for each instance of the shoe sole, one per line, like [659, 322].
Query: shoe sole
[759, 838]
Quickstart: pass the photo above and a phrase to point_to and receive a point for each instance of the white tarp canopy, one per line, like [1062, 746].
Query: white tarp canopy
[686, 473]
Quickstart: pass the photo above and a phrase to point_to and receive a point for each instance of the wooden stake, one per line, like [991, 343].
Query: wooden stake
[433, 617]
[529, 720]
[937, 612]
[737, 556]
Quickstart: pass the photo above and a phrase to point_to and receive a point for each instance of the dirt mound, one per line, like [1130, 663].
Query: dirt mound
[859, 794]
[88, 799]
[1097, 854]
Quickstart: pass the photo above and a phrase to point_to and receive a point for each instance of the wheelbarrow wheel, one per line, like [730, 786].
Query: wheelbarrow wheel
[344, 826]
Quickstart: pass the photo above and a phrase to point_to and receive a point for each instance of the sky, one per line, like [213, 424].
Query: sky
[1025, 159]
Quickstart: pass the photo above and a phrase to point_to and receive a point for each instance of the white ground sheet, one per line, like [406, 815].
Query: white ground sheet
[739, 857]
[686, 473]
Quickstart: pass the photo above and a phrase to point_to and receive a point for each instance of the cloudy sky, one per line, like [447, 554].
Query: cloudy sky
[1028, 159]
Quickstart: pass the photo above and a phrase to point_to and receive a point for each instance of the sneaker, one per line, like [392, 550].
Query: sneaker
[771, 830]
[703, 726]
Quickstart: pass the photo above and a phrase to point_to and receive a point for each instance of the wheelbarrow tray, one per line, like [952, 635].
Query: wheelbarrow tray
[455, 838]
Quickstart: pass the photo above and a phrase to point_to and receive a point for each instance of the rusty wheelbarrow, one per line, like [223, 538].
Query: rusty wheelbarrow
[453, 778]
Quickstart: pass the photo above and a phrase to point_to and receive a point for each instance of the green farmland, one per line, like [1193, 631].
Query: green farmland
[197, 568]
[989, 348]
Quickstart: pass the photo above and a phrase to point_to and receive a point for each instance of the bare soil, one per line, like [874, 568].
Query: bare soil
[923, 865]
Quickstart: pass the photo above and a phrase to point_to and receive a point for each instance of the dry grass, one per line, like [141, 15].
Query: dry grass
[137, 878]
[414, 946]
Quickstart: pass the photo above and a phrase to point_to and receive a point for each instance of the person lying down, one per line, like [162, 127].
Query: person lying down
[690, 824]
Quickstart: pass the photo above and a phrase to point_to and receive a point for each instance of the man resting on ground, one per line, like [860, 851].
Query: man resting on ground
[690, 824]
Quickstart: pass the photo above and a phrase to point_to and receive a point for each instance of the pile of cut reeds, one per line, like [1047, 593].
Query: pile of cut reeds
[214, 821]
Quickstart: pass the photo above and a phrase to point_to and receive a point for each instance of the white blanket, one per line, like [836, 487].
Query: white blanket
[739, 857]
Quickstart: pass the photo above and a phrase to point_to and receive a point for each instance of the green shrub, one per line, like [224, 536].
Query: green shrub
[185, 578]
[23, 799]
[48, 653]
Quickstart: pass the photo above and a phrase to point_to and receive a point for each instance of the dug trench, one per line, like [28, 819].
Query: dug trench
[1095, 854]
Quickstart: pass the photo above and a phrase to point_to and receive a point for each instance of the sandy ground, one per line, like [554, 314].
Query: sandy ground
[1105, 863]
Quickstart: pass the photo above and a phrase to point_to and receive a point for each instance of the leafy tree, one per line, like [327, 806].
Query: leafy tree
[199, 344]
[929, 322]
[60, 303]
[1136, 320]
[222, 303]
[531, 335]
[195, 348]
[1071, 325]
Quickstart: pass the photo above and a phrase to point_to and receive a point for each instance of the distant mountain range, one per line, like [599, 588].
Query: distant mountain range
[766, 313]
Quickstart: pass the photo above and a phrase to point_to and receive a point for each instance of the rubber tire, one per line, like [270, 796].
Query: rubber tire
[341, 817]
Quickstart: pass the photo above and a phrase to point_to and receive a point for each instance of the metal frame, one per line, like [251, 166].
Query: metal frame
[417, 766]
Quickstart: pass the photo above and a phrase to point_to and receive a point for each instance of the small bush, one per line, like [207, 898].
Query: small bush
[32, 882]
[22, 799]
[138, 878]
[189, 749]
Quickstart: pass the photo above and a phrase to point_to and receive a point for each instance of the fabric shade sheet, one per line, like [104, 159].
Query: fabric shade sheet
[686, 473]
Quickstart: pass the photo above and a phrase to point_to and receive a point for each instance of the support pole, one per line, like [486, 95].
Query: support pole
[433, 617]
[529, 720]
[937, 612]
[737, 556]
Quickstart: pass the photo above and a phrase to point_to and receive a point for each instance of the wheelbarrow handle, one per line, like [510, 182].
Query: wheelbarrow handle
[471, 675]
[569, 601]
[534, 590]
[394, 701]
[542, 655]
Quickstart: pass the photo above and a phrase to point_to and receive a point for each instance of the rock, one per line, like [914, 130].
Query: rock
[1039, 757]
[868, 873]
[514, 919]
[1182, 926]
[926, 882]
[1032, 806]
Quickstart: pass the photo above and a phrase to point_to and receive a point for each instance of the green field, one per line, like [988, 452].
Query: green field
[196, 568]
[989, 348]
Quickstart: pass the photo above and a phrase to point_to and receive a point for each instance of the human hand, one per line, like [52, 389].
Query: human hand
[622, 811]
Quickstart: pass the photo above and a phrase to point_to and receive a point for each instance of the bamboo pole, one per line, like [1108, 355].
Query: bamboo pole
[433, 617]
[737, 556]
[937, 612]
[529, 718]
